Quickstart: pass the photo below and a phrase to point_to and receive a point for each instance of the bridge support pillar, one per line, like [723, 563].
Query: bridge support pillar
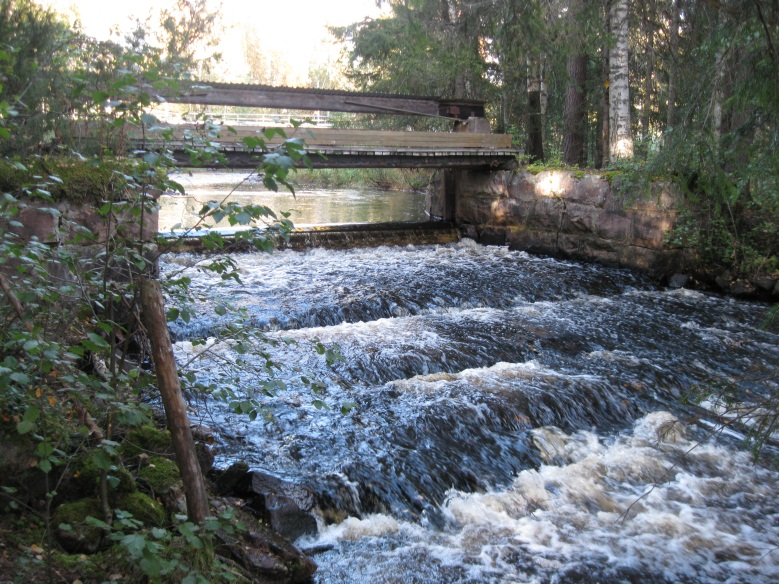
[449, 188]
[451, 178]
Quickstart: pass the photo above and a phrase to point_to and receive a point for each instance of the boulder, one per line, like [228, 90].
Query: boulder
[678, 281]
[286, 506]
[742, 288]
[266, 557]
[764, 283]
[71, 528]
[284, 516]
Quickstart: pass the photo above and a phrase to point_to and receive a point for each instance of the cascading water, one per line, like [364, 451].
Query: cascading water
[514, 418]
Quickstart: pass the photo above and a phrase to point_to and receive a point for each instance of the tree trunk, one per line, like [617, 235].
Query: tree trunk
[718, 90]
[620, 132]
[673, 45]
[575, 114]
[175, 409]
[649, 34]
[535, 123]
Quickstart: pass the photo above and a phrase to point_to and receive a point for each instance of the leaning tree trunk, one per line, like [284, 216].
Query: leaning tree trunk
[175, 409]
[620, 132]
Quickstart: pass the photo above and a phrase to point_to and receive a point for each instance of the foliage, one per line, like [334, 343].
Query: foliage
[73, 380]
[33, 56]
[719, 66]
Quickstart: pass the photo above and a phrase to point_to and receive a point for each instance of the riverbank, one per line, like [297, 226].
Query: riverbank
[613, 219]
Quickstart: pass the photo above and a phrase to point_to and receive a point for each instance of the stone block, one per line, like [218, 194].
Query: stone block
[649, 230]
[41, 224]
[540, 242]
[492, 236]
[614, 225]
[546, 214]
[579, 218]
[591, 190]
[523, 187]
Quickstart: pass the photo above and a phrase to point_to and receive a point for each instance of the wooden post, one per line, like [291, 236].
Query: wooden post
[154, 320]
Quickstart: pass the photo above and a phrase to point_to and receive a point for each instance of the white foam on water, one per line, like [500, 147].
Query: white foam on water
[650, 502]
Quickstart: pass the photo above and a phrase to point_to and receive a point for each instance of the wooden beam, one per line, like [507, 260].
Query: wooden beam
[295, 98]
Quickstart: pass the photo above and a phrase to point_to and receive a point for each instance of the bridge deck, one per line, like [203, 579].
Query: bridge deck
[331, 148]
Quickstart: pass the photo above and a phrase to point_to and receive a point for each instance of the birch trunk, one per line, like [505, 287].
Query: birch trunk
[620, 133]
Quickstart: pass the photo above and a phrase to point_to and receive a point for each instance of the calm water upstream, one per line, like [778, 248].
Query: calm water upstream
[308, 207]
[507, 415]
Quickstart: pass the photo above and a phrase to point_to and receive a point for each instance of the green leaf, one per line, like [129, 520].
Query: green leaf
[347, 407]
[102, 459]
[20, 378]
[320, 405]
[95, 522]
[100, 97]
[135, 544]
[25, 427]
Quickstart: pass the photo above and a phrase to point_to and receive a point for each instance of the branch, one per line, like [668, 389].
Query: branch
[17, 306]
[766, 30]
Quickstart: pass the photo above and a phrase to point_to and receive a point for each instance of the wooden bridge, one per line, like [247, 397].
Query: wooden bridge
[468, 146]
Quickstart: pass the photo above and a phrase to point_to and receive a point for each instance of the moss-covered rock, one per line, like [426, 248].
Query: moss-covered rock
[143, 508]
[73, 532]
[147, 440]
[160, 474]
[86, 478]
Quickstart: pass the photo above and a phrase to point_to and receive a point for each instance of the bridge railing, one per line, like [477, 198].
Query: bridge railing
[316, 137]
[318, 119]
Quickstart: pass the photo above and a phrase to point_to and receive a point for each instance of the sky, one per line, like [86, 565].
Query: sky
[295, 28]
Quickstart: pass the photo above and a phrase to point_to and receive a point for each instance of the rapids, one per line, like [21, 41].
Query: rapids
[506, 418]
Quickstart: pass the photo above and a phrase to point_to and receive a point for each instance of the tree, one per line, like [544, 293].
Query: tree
[673, 46]
[620, 129]
[36, 44]
[575, 113]
[266, 67]
[535, 111]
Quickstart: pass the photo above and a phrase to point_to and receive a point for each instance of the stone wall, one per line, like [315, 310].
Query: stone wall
[55, 222]
[571, 215]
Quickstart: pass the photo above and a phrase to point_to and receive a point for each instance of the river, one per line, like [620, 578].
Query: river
[495, 416]
[308, 206]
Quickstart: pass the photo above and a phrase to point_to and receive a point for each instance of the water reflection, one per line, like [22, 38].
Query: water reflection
[309, 207]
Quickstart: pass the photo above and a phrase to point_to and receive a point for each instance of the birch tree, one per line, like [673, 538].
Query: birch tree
[620, 132]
